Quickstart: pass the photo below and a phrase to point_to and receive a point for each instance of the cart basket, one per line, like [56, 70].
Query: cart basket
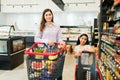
[45, 65]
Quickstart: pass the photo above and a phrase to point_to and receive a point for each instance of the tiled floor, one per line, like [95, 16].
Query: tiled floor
[20, 73]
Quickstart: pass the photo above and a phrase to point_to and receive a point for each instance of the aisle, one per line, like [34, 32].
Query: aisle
[20, 73]
[68, 71]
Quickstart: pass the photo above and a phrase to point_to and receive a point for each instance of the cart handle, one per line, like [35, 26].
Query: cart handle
[28, 51]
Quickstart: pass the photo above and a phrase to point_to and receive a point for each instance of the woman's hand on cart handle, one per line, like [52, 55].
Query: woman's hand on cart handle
[51, 43]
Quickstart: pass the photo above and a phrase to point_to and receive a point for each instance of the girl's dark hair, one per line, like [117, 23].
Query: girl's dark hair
[78, 41]
[43, 21]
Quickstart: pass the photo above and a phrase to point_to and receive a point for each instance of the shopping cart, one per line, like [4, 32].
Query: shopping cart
[86, 70]
[45, 64]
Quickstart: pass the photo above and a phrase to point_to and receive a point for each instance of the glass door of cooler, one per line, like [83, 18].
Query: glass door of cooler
[3, 47]
[18, 44]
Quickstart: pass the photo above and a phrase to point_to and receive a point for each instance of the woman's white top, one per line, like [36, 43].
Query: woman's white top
[51, 32]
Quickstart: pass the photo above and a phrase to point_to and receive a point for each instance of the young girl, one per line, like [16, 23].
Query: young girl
[82, 45]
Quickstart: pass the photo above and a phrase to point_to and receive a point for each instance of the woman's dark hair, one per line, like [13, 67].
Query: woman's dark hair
[43, 21]
[78, 41]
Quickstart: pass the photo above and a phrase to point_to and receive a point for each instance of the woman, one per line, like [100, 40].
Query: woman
[49, 32]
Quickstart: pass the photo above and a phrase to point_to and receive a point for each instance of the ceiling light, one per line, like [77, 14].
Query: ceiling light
[13, 6]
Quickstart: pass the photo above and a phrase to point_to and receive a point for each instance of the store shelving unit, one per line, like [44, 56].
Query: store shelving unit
[71, 33]
[95, 34]
[11, 52]
[109, 43]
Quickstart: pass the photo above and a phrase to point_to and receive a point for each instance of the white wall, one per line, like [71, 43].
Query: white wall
[25, 6]
[2, 19]
[83, 7]
[23, 21]
[75, 18]
[31, 21]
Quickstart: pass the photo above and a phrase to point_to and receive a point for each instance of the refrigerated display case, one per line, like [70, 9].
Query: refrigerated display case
[29, 36]
[11, 52]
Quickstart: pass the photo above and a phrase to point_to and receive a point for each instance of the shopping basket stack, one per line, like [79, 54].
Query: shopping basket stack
[45, 62]
[86, 70]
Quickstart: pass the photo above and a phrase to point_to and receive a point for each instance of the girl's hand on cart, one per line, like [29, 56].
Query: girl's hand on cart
[86, 49]
[78, 53]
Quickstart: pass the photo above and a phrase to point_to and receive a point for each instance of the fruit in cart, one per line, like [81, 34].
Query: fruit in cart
[45, 73]
[38, 57]
[52, 57]
[31, 75]
[38, 50]
[48, 62]
[37, 65]
[37, 74]
[50, 69]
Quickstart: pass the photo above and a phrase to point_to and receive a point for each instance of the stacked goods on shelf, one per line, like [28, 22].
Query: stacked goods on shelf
[71, 33]
[95, 34]
[109, 50]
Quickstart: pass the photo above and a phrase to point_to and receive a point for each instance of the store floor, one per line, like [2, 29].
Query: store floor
[20, 73]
